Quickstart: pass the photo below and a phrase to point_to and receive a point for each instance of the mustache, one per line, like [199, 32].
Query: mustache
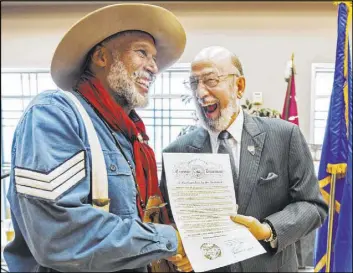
[151, 77]
[206, 101]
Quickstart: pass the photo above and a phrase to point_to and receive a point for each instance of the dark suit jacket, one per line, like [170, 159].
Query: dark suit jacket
[290, 199]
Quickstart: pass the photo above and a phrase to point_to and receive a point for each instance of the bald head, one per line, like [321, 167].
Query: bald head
[218, 54]
[218, 84]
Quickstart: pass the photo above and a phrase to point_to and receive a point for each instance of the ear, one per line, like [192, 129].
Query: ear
[100, 57]
[241, 87]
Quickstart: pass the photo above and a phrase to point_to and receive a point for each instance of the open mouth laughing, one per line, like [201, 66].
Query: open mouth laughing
[210, 109]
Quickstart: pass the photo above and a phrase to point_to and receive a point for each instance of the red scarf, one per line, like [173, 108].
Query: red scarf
[134, 129]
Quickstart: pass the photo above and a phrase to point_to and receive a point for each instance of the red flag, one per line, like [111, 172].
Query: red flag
[290, 112]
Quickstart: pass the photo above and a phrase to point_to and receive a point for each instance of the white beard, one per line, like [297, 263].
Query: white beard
[222, 121]
[123, 85]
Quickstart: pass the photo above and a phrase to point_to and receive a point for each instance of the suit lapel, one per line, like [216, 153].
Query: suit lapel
[201, 142]
[253, 139]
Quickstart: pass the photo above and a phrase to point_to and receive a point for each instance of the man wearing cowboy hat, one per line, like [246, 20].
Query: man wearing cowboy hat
[108, 61]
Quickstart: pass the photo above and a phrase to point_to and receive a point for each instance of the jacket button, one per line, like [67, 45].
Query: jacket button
[113, 167]
[169, 245]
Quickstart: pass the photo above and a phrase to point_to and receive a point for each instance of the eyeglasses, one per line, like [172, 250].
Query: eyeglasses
[209, 81]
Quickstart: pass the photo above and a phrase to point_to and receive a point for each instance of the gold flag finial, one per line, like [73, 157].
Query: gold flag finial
[349, 6]
[293, 67]
[348, 3]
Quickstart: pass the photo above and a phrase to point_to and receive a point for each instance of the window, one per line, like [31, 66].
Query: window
[322, 83]
[167, 114]
[164, 117]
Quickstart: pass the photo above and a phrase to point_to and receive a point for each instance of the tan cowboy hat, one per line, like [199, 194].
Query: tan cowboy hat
[70, 54]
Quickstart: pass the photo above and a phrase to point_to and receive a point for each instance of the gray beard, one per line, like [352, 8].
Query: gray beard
[125, 92]
[222, 121]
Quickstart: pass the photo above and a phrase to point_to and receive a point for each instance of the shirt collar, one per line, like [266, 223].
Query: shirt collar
[235, 129]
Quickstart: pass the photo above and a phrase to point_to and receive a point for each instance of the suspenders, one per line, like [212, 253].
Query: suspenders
[100, 197]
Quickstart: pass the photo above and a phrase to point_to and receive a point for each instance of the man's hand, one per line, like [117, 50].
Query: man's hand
[260, 231]
[180, 260]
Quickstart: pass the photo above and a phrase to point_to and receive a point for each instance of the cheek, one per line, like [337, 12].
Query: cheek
[222, 96]
[138, 63]
[132, 64]
[227, 95]
[223, 100]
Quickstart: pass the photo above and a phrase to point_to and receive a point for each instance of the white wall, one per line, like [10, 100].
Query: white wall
[263, 35]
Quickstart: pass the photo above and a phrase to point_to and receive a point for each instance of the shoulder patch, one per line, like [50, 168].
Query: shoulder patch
[54, 183]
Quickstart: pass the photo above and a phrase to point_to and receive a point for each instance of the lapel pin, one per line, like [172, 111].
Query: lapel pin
[251, 149]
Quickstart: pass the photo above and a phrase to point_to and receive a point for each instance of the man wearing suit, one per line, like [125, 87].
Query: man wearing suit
[276, 187]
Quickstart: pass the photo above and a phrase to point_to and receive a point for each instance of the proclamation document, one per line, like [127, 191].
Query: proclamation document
[202, 199]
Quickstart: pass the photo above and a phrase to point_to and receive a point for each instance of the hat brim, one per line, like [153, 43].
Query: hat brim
[70, 54]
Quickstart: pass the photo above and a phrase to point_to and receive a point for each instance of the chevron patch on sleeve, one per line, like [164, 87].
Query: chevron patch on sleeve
[53, 184]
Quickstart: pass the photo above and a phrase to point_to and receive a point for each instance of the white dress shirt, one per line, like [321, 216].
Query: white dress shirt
[235, 129]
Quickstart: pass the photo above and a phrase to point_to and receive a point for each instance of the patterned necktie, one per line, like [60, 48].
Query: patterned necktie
[224, 148]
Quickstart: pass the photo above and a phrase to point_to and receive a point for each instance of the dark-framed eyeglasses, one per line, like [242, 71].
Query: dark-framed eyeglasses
[209, 81]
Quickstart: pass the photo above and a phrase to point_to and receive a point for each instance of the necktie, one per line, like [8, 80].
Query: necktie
[224, 148]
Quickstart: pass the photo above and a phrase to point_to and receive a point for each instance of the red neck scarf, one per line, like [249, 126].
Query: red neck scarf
[134, 129]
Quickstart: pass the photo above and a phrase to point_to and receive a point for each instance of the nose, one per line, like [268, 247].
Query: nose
[152, 67]
[201, 91]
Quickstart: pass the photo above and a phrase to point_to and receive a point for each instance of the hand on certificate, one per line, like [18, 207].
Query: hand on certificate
[259, 230]
[180, 260]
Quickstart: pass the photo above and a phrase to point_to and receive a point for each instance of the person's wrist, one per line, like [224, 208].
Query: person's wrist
[269, 233]
[272, 236]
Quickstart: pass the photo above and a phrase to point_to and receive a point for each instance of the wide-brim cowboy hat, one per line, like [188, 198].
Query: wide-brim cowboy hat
[71, 53]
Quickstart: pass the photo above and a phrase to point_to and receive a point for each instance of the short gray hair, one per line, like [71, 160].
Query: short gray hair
[236, 62]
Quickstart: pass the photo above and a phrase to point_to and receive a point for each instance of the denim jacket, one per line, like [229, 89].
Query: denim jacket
[55, 226]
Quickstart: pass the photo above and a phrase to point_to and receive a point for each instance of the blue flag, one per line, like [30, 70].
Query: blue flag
[343, 242]
[336, 159]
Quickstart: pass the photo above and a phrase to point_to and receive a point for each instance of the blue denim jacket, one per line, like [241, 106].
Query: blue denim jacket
[55, 227]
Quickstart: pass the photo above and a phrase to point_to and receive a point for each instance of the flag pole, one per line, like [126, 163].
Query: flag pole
[293, 67]
[330, 221]
[287, 98]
